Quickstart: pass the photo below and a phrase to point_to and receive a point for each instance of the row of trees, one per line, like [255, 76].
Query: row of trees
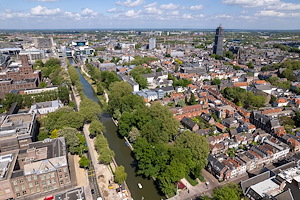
[243, 98]
[161, 152]
[51, 69]
[26, 100]
[230, 191]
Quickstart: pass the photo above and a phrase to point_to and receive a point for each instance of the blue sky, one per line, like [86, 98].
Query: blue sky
[196, 14]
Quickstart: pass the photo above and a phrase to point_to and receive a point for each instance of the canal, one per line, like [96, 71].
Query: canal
[123, 153]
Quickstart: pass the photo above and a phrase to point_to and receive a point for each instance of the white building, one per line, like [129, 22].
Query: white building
[45, 107]
[152, 43]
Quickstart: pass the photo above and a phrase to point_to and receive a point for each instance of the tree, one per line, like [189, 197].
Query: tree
[159, 69]
[42, 135]
[96, 127]
[9, 99]
[84, 162]
[181, 103]
[230, 191]
[102, 147]
[71, 138]
[63, 94]
[120, 174]
[273, 99]
[43, 84]
[250, 65]
[86, 111]
[192, 100]
[197, 145]
[216, 81]
[100, 88]
[54, 134]
[133, 134]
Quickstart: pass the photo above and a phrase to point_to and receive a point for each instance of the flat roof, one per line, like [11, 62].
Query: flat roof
[265, 187]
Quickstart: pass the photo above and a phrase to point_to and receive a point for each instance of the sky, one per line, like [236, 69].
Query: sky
[141, 14]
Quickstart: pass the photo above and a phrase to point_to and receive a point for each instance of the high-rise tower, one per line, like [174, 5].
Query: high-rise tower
[218, 46]
[152, 43]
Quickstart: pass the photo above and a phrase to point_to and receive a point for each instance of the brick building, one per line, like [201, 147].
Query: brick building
[36, 172]
[19, 77]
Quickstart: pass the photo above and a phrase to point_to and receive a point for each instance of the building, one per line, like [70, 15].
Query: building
[38, 90]
[17, 131]
[19, 77]
[219, 37]
[152, 43]
[46, 107]
[129, 79]
[38, 171]
[43, 43]
[33, 54]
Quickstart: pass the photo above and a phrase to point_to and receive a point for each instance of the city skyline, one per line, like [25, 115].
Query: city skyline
[170, 14]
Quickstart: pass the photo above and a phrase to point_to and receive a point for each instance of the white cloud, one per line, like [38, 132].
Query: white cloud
[153, 10]
[251, 3]
[223, 16]
[174, 13]
[196, 7]
[132, 13]
[13, 15]
[199, 15]
[130, 3]
[187, 16]
[112, 10]
[88, 11]
[169, 6]
[273, 13]
[151, 5]
[284, 6]
[41, 10]
[75, 16]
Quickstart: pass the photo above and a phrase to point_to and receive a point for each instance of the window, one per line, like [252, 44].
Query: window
[16, 189]
[21, 180]
[54, 186]
[61, 182]
[30, 185]
[38, 189]
[15, 182]
[24, 192]
[52, 175]
[65, 169]
[29, 178]
[43, 177]
[59, 170]
[36, 183]
[31, 190]
[66, 175]
[60, 176]
[23, 187]
[67, 180]
[47, 176]
[18, 194]
[34, 177]
[44, 183]
[53, 181]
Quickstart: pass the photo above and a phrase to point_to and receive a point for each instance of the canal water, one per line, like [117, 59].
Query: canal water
[123, 154]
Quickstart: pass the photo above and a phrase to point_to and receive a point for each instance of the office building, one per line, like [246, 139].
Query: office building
[152, 43]
[218, 46]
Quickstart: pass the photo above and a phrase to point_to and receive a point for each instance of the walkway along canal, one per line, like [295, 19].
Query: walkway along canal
[123, 153]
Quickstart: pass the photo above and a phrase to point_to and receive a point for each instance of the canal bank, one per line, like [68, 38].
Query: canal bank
[123, 154]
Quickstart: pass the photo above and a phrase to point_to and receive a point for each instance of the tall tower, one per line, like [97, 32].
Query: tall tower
[152, 43]
[218, 46]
